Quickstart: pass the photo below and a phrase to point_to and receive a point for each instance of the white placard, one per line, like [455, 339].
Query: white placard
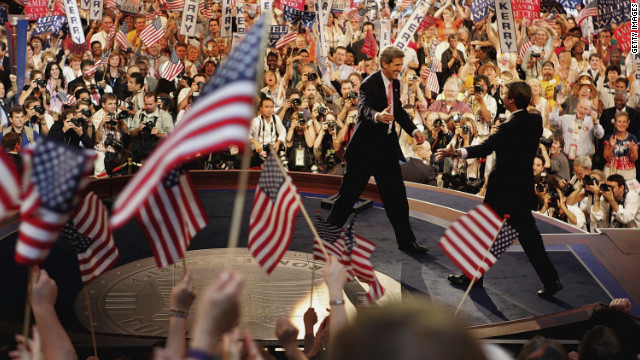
[226, 18]
[385, 33]
[85, 4]
[189, 18]
[412, 25]
[73, 19]
[506, 26]
[95, 10]
[265, 5]
[240, 29]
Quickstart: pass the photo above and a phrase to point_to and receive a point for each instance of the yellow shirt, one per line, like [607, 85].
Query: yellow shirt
[548, 87]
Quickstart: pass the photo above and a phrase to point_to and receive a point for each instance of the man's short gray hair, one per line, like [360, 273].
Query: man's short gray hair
[623, 93]
[583, 161]
[390, 53]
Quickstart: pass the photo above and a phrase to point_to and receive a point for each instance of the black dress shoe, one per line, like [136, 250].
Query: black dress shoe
[462, 280]
[551, 290]
[413, 247]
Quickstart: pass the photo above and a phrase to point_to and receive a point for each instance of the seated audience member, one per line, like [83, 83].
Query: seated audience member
[417, 168]
[17, 118]
[615, 206]
[12, 144]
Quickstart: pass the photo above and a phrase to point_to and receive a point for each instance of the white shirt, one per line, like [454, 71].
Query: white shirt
[627, 216]
[267, 131]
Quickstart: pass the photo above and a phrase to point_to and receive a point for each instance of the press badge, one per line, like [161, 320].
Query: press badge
[573, 149]
[299, 157]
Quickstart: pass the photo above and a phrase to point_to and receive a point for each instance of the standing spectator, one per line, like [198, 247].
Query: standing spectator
[452, 58]
[621, 149]
[580, 131]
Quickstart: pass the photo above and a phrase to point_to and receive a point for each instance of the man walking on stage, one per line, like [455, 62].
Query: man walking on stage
[510, 189]
[374, 150]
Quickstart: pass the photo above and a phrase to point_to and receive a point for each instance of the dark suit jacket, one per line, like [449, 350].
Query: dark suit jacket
[370, 138]
[415, 170]
[510, 187]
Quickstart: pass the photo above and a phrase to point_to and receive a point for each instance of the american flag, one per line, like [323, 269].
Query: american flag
[176, 5]
[152, 33]
[590, 10]
[332, 238]
[9, 187]
[275, 207]
[112, 33]
[354, 13]
[405, 3]
[432, 80]
[524, 47]
[436, 64]
[469, 242]
[113, 6]
[90, 235]
[55, 174]
[362, 267]
[121, 36]
[172, 68]
[152, 13]
[287, 38]
[103, 60]
[219, 118]
[66, 99]
[171, 217]
[205, 10]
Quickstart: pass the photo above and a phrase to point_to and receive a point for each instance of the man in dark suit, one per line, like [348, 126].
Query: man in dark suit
[510, 189]
[418, 169]
[620, 99]
[374, 150]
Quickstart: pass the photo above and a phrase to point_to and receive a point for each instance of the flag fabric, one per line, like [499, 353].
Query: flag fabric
[9, 186]
[112, 34]
[171, 217]
[287, 38]
[112, 5]
[176, 5]
[172, 68]
[54, 175]
[332, 238]
[354, 13]
[121, 36]
[405, 3]
[370, 45]
[89, 233]
[362, 267]
[152, 13]
[590, 10]
[152, 33]
[524, 47]
[273, 216]
[219, 118]
[103, 60]
[469, 242]
[66, 99]
[205, 10]
[432, 80]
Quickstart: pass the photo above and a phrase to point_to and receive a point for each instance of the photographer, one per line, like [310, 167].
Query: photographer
[148, 127]
[112, 135]
[37, 88]
[309, 74]
[438, 135]
[135, 85]
[348, 101]
[96, 89]
[193, 89]
[71, 130]
[36, 118]
[482, 104]
[559, 164]
[299, 140]
[584, 194]
[553, 203]
[615, 206]
[467, 170]
[293, 105]
[266, 132]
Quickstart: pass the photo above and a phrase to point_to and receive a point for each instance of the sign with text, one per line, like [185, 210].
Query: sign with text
[225, 22]
[265, 5]
[240, 28]
[130, 7]
[612, 12]
[73, 18]
[340, 5]
[406, 34]
[189, 18]
[385, 33]
[85, 4]
[296, 4]
[506, 26]
[623, 35]
[50, 24]
[480, 9]
[275, 33]
[36, 9]
[428, 22]
[95, 10]
[529, 9]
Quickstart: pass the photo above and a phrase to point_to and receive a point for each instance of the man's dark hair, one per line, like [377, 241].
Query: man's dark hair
[520, 91]
[367, 23]
[303, 51]
[17, 110]
[214, 20]
[138, 78]
[340, 47]
[263, 100]
[481, 77]
[96, 42]
[181, 44]
[624, 80]
[600, 342]
[30, 100]
[610, 68]
[10, 140]
[86, 63]
[81, 91]
[453, 36]
[66, 113]
[545, 348]
[151, 94]
[559, 138]
[618, 179]
[291, 92]
[108, 96]
[272, 54]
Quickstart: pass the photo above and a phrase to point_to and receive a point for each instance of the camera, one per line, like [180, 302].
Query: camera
[41, 82]
[352, 95]
[76, 121]
[111, 141]
[466, 129]
[478, 89]
[123, 115]
[300, 116]
[39, 109]
[554, 197]
[94, 87]
[86, 113]
[127, 50]
[535, 55]
[546, 141]
[296, 102]
[322, 110]
[413, 78]
[165, 102]
[331, 125]
[567, 190]
[283, 158]
[111, 120]
[456, 118]
[605, 187]
[331, 159]
[200, 83]
[588, 180]
[312, 76]
[437, 123]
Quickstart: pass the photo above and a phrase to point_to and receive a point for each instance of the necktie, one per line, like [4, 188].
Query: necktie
[390, 104]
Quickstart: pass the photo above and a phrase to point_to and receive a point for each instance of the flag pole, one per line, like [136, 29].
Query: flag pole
[313, 280]
[93, 332]
[241, 194]
[27, 310]
[302, 208]
[473, 281]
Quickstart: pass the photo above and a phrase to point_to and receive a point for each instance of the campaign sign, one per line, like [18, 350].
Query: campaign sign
[385, 33]
[240, 19]
[480, 9]
[95, 10]
[189, 18]
[73, 18]
[612, 12]
[623, 35]
[411, 26]
[50, 24]
[296, 4]
[528, 9]
[130, 7]
[225, 22]
[275, 33]
[506, 26]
